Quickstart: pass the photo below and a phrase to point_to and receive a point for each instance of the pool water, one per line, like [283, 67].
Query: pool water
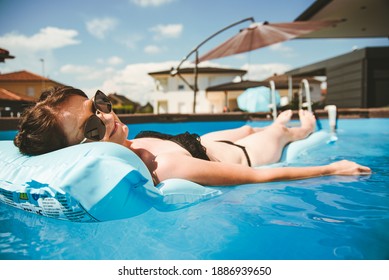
[320, 218]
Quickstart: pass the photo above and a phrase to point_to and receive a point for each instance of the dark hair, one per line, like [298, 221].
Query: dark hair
[39, 129]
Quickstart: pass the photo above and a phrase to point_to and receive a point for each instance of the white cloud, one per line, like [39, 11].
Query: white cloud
[46, 39]
[29, 50]
[152, 49]
[132, 41]
[149, 3]
[134, 82]
[167, 31]
[99, 27]
[87, 73]
[113, 61]
[74, 69]
[258, 72]
[284, 50]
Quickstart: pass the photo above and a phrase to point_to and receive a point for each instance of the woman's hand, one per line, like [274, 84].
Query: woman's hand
[346, 167]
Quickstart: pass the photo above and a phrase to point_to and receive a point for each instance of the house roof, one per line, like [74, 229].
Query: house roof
[9, 95]
[243, 85]
[282, 81]
[360, 18]
[202, 70]
[320, 68]
[120, 98]
[22, 76]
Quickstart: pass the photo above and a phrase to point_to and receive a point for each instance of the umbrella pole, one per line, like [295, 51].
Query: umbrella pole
[273, 99]
[175, 71]
[196, 74]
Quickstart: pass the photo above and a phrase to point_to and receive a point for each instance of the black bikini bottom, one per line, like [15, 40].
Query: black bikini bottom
[239, 146]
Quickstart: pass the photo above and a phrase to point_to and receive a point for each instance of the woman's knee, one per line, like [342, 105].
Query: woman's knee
[279, 130]
[247, 130]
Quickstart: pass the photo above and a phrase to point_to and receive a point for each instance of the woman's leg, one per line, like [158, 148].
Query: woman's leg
[231, 134]
[236, 134]
[266, 146]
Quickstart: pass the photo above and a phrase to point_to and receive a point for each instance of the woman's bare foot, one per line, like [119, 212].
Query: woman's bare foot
[308, 121]
[284, 117]
[308, 125]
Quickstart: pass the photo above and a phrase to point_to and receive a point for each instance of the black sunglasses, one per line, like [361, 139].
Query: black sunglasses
[94, 128]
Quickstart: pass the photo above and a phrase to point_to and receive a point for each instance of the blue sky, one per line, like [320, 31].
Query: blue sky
[112, 45]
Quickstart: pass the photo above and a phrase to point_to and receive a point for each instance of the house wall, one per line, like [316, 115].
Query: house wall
[363, 81]
[27, 88]
[169, 84]
[220, 100]
[172, 95]
[180, 102]
[359, 79]
[345, 84]
[314, 88]
[378, 82]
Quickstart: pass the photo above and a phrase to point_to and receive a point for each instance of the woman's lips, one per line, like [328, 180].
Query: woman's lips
[115, 128]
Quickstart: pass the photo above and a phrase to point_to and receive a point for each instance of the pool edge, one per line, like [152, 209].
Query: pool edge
[7, 123]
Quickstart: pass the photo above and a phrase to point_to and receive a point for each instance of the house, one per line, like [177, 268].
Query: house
[227, 94]
[26, 84]
[359, 79]
[175, 95]
[12, 104]
[146, 109]
[289, 87]
[123, 105]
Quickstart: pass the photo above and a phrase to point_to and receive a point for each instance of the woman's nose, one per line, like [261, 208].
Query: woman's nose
[103, 116]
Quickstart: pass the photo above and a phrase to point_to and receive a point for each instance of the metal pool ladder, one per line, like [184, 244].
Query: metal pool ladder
[273, 105]
[307, 90]
[331, 109]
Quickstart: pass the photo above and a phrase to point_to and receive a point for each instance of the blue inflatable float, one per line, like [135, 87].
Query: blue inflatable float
[100, 181]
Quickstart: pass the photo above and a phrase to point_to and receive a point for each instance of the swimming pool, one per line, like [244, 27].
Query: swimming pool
[322, 218]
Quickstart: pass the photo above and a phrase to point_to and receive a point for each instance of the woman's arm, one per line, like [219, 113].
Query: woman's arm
[343, 167]
[222, 174]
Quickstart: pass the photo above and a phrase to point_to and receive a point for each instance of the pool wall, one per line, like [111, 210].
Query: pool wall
[136, 122]
[8, 126]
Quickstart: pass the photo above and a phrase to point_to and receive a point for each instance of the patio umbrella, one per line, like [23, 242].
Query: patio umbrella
[4, 54]
[260, 35]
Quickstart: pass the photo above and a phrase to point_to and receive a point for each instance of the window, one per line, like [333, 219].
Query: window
[162, 84]
[162, 107]
[181, 87]
[30, 91]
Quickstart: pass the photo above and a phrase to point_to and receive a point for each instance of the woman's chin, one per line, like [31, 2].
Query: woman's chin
[120, 136]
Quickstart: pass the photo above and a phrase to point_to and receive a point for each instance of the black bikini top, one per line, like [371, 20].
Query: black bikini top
[189, 141]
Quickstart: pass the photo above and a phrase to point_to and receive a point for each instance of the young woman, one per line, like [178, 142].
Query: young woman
[65, 116]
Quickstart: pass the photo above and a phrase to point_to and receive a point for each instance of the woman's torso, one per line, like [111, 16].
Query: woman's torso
[149, 148]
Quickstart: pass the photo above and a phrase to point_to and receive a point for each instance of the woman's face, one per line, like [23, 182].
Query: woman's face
[74, 113]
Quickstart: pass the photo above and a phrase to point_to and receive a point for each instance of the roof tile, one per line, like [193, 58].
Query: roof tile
[9, 95]
[22, 76]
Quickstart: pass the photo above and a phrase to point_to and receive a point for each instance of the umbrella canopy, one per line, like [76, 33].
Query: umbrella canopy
[256, 99]
[260, 35]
